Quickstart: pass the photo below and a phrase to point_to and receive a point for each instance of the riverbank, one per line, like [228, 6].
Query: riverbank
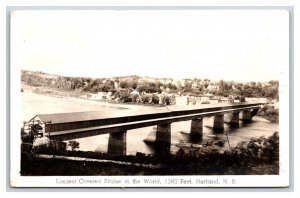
[64, 167]
[259, 156]
[76, 96]
[269, 113]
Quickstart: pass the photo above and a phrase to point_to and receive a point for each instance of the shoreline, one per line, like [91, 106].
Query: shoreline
[72, 96]
[246, 162]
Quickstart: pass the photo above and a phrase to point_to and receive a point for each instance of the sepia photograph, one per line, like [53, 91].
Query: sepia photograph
[149, 97]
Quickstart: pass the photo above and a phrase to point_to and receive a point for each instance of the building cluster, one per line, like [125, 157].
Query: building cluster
[175, 98]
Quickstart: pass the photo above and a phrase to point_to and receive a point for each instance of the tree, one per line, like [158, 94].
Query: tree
[253, 84]
[124, 84]
[187, 86]
[155, 98]
[73, 144]
[166, 100]
[221, 87]
[248, 91]
[146, 99]
[124, 96]
[206, 83]
[170, 86]
[274, 83]
[134, 84]
[148, 87]
[242, 99]
[271, 92]
[134, 97]
[76, 83]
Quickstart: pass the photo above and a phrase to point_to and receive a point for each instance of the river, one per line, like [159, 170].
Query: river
[32, 104]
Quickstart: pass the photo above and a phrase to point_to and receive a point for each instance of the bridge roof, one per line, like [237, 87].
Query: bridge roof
[96, 115]
[125, 113]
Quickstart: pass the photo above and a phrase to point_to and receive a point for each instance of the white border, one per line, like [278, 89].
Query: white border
[160, 181]
[254, 181]
[161, 2]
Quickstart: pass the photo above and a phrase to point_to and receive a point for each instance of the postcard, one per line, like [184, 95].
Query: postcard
[160, 97]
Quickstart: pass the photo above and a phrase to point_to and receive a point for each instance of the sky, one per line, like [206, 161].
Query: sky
[239, 45]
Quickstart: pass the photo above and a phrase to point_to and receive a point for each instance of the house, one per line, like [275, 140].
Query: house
[206, 97]
[89, 96]
[194, 85]
[93, 96]
[116, 84]
[102, 95]
[134, 93]
[182, 100]
[213, 87]
[225, 100]
[214, 100]
[260, 100]
[99, 96]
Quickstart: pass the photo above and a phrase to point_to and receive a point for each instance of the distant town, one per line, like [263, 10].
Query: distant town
[155, 91]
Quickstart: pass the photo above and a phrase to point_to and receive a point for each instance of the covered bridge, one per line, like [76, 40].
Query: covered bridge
[76, 122]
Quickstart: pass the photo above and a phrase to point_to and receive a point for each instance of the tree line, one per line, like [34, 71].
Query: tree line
[118, 84]
[252, 89]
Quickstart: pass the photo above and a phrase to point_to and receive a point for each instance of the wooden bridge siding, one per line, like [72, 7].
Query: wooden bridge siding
[101, 122]
[54, 127]
[68, 135]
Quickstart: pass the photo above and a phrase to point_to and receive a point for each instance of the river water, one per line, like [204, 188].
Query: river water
[33, 104]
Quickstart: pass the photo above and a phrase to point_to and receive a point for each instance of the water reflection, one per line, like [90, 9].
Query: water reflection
[142, 139]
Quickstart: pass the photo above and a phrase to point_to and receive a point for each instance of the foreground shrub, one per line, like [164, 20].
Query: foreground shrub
[257, 150]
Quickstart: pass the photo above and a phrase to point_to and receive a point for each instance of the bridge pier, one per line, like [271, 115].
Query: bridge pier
[196, 129]
[246, 117]
[218, 123]
[117, 143]
[254, 112]
[163, 138]
[234, 121]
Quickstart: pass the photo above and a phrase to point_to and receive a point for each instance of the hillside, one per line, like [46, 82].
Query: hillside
[150, 85]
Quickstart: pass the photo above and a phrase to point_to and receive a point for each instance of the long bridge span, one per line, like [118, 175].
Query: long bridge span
[67, 126]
